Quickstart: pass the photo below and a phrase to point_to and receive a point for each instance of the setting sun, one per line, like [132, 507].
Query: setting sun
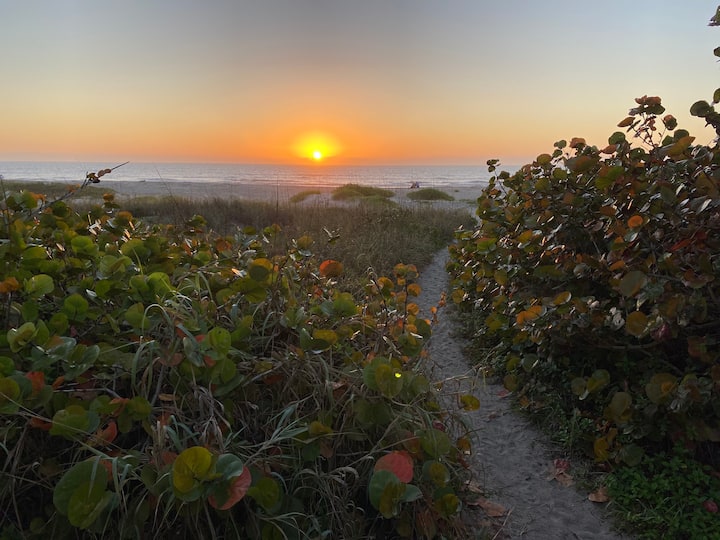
[316, 146]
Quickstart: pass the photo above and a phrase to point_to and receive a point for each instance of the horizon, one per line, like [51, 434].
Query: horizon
[331, 83]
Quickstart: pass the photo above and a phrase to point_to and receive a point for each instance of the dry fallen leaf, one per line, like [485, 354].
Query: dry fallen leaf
[558, 471]
[490, 508]
[599, 495]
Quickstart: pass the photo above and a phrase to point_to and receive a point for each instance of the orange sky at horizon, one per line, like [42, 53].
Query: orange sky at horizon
[407, 82]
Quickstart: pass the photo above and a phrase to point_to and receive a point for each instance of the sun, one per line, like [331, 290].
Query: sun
[316, 146]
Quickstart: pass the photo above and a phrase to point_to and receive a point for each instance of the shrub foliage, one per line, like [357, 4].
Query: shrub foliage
[594, 276]
[160, 380]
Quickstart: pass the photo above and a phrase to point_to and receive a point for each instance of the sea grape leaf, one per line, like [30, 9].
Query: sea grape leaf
[220, 340]
[9, 396]
[19, 337]
[233, 491]
[389, 380]
[632, 283]
[39, 285]
[75, 307]
[469, 402]
[435, 442]
[7, 366]
[619, 409]
[378, 482]
[266, 492]
[436, 472]
[330, 268]
[87, 502]
[76, 476]
[636, 323]
[390, 499]
[447, 505]
[398, 462]
[660, 387]
[192, 466]
[74, 421]
[260, 269]
[343, 305]
[599, 379]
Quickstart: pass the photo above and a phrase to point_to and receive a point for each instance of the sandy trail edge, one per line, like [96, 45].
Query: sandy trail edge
[511, 459]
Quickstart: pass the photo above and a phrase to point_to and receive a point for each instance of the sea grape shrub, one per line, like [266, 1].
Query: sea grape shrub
[594, 275]
[164, 379]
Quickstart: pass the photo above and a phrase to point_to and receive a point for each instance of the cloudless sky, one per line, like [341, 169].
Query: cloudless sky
[364, 81]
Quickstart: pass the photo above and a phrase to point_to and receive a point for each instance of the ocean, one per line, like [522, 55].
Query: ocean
[285, 175]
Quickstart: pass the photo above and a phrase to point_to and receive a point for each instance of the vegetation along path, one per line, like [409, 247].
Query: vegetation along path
[520, 479]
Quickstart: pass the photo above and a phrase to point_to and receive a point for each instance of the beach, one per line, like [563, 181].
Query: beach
[464, 195]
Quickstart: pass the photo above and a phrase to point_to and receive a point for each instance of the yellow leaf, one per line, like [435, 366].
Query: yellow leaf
[636, 323]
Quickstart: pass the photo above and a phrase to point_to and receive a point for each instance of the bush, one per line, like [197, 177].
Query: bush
[594, 276]
[357, 191]
[161, 380]
[429, 194]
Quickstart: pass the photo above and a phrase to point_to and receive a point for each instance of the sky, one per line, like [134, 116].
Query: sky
[363, 82]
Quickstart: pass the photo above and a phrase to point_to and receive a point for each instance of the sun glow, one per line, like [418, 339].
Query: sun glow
[316, 146]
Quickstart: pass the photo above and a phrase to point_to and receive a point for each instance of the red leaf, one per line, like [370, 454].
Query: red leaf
[106, 436]
[711, 506]
[37, 380]
[331, 268]
[236, 490]
[399, 463]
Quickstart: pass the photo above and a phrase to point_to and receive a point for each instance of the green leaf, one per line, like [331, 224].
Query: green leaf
[9, 396]
[19, 337]
[75, 307]
[266, 492]
[83, 245]
[76, 476]
[74, 422]
[220, 340]
[437, 473]
[389, 380]
[87, 502]
[39, 285]
[469, 402]
[701, 108]
[436, 443]
[378, 482]
[619, 409]
[599, 379]
[343, 305]
[632, 283]
[661, 387]
[7, 366]
[260, 269]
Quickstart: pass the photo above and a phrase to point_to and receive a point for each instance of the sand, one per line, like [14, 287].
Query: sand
[520, 488]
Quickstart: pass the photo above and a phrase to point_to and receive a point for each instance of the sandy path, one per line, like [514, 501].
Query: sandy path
[512, 459]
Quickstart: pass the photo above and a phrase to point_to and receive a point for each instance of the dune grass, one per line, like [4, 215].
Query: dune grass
[357, 191]
[376, 235]
[429, 194]
[303, 195]
[54, 190]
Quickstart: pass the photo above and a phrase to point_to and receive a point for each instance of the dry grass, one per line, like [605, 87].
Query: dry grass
[376, 234]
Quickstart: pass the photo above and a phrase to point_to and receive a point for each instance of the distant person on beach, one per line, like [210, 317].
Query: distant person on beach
[415, 185]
